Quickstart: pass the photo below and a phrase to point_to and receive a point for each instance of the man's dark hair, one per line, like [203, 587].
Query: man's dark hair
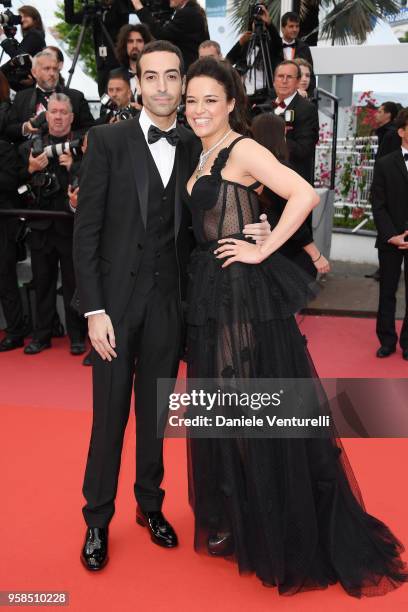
[160, 45]
[290, 63]
[123, 35]
[401, 120]
[119, 73]
[391, 108]
[289, 16]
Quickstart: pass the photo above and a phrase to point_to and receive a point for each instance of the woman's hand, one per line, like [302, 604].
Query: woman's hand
[238, 250]
[258, 232]
[322, 265]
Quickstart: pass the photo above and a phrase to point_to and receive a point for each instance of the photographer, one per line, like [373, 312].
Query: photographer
[116, 104]
[114, 14]
[51, 239]
[187, 28]
[31, 102]
[32, 30]
[9, 293]
[5, 103]
[131, 41]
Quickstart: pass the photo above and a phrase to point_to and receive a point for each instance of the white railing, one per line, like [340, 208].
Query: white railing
[354, 174]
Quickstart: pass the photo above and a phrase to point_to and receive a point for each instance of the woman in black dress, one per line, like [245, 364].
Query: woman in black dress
[287, 509]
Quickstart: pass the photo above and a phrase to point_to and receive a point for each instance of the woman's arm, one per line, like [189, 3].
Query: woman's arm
[259, 163]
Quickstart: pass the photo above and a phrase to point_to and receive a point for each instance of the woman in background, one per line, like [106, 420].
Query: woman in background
[269, 130]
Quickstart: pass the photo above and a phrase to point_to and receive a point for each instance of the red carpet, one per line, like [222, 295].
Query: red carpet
[45, 424]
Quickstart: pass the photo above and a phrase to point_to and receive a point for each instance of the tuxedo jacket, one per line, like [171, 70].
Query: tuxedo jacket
[302, 136]
[23, 108]
[389, 198]
[111, 218]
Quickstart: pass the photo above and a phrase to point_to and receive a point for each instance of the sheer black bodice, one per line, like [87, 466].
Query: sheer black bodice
[292, 506]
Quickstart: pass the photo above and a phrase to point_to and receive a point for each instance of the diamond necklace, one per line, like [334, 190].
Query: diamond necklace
[205, 155]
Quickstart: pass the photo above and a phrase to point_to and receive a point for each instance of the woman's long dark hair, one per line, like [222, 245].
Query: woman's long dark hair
[222, 72]
[269, 130]
[31, 11]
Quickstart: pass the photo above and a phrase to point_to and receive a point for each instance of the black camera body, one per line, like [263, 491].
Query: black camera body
[53, 151]
[17, 70]
[8, 18]
[255, 13]
[122, 114]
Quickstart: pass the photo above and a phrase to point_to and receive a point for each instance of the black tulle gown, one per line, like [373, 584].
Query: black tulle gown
[293, 506]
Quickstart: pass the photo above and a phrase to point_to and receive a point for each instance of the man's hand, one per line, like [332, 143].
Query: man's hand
[37, 164]
[73, 196]
[102, 336]
[258, 231]
[29, 129]
[399, 241]
[137, 4]
[244, 38]
[66, 160]
[265, 15]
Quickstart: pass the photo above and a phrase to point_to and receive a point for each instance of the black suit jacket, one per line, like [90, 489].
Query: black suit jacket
[302, 136]
[389, 198]
[388, 140]
[111, 218]
[187, 29]
[23, 108]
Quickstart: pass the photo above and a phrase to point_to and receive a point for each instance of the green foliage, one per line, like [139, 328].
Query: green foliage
[404, 39]
[69, 35]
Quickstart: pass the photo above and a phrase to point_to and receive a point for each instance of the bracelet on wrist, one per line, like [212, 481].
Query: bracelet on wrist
[315, 260]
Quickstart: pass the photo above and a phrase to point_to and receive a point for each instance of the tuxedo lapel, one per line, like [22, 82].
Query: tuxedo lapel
[138, 155]
[401, 164]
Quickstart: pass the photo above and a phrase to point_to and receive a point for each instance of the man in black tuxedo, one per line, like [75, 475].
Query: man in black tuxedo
[34, 100]
[301, 118]
[389, 201]
[131, 247]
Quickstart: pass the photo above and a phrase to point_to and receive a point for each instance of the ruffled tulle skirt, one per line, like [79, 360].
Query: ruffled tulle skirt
[292, 506]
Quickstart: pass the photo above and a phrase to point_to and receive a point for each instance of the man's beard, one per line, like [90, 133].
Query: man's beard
[134, 56]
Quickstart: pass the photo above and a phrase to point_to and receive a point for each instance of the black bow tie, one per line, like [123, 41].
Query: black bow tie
[286, 45]
[405, 156]
[154, 134]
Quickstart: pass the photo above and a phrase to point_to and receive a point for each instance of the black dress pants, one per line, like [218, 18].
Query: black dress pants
[47, 251]
[148, 339]
[9, 292]
[390, 272]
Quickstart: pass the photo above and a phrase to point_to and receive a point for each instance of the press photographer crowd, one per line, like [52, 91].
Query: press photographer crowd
[44, 124]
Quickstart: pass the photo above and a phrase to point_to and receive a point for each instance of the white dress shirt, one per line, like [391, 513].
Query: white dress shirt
[288, 52]
[279, 110]
[163, 154]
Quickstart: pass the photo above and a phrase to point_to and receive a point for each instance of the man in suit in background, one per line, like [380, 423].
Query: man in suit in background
[389, 201]
[31, 102]
[301, 118]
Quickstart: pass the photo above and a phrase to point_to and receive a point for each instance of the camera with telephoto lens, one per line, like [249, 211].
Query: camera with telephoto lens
[121, 114]
[8, 18]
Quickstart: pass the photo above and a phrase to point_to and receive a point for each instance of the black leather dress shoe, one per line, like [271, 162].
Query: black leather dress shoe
[36, 347]
[9, 344]
[78, 348]
[385, 351]
[94, 555]
[220, 545]
[161, 532]
[405, 354]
